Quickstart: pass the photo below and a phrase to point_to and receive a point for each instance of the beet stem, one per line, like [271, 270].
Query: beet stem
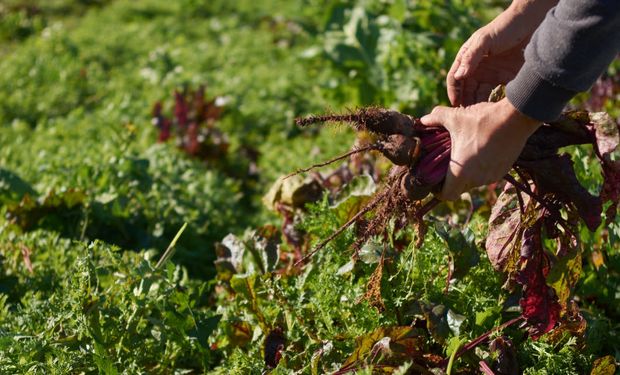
[430, 141]
[541, 201]
[427, 207]
[433, 152]
[478, 340]
[433, 170]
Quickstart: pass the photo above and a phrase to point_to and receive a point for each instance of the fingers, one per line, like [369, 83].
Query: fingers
[467, 60]
[455, 87]
[477, 48]
[440, 116]
[453, 186]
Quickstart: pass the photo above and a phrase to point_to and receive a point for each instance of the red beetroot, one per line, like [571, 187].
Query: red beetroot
[425, 151]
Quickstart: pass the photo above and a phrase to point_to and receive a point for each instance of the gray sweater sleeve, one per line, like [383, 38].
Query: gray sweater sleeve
[571, 48]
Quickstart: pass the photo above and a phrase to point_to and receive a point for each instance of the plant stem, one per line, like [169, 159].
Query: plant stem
[451, 361]
[478, 340]
[170, 250]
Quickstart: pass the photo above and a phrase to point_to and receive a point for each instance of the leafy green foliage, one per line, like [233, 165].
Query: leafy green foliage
[391, 51]
[98, 309]
[89, 201]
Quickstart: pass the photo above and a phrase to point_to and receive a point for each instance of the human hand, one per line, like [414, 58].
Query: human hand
[494, 54]
[487, 139]
[480, 65]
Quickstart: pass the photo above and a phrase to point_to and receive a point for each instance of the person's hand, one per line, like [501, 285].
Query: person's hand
[482, 63]
[493, 55]
[487, 139]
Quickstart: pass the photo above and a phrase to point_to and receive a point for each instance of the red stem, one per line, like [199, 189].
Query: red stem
[485, 368]
[526, 189]
[431, 153]
[480, 339]
[434, 170]
[429, 140]
[427, 207]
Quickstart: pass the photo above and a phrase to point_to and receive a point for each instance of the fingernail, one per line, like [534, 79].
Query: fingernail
[424, 119]
[460, 72]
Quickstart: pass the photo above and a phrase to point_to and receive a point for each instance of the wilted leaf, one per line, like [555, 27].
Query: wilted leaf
[396, 343]
[556, 175]
[257, 250]
[565, 274]
[267, 244]
[353, 196]
[437, 322]
[505, 231]
[294, 191]
[606, 133]
[539, 302]
[373, 288]
[607, 140]
[573, 323]
[229, 257]
[604, 366]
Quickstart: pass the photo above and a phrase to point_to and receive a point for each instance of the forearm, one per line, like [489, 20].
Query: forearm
[572, 47]
[534, 8]
[521, 19]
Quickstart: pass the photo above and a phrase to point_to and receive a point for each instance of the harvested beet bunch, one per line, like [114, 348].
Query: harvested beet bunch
[422, 152]
[543, 201]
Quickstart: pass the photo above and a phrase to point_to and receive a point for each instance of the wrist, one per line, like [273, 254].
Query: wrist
[521, 122]
[509, 29]
[519, 21]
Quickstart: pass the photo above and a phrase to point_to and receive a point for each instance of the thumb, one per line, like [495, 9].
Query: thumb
[440, 116]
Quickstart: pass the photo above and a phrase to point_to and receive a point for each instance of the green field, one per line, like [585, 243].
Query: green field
[92, 195]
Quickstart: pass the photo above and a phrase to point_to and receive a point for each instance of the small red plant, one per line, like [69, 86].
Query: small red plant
[192, 124]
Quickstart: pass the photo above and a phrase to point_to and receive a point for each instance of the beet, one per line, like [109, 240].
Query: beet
[425, 151]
